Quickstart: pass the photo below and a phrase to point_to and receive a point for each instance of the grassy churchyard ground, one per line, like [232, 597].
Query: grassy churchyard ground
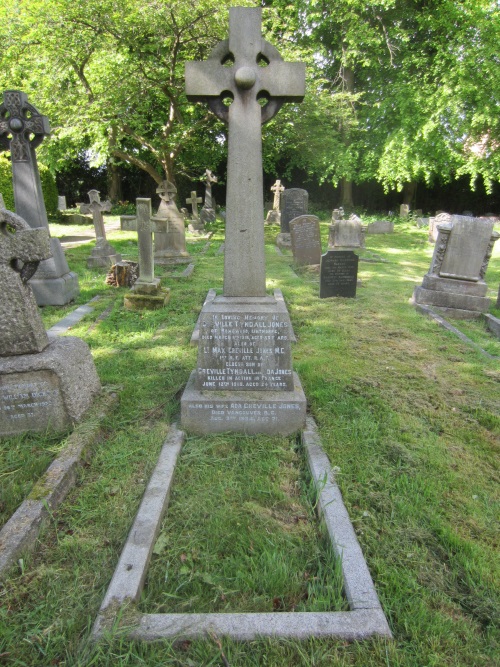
[408, 415]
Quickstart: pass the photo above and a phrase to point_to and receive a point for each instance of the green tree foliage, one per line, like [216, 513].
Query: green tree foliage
[47, 180]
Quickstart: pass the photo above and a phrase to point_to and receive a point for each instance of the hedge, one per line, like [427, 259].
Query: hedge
[48, 181]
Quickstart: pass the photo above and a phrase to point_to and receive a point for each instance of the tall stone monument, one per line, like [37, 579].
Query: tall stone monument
[454, 284]
[22, 129]
[103, 254]
[244, 379]
[45, 382]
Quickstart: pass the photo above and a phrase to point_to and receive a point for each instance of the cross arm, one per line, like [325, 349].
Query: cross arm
[206, 79]
[286, 81]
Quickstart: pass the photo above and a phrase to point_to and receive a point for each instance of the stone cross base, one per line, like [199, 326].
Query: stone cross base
[47, 390]
[53, 283]
[273, 218]
[147, 296]
[458, 299]
[244, 380]
[103, 256]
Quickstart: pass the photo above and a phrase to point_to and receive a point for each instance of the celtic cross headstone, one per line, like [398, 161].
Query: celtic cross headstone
[277, 188]
[22, 129]
[256, 73]
[209, 179]
[244, 379]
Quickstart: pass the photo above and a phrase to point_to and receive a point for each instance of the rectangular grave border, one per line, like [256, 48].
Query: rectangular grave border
[364, 620]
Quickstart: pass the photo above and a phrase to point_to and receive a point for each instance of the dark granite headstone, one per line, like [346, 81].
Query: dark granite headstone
[339, 274]
[294, 202]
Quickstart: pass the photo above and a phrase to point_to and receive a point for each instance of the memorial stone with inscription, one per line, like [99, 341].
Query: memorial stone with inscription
[45, 382]
[454, 284]
[306, 239]
[294, 202]
[244, 379]
[338, 274]
[22, 129]
[346, 234]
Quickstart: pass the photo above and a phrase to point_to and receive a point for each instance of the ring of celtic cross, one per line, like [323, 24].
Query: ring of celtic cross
[245, 78]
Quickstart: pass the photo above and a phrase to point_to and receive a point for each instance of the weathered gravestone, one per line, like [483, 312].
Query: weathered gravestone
[404, 211]
[147, 292]
[434, 222]
[207, 213]
[346, 234]
[103, 254]
[294, 202]
[274, 215]
[455, 283]
[380, 227]
[22, 129]
[306, 239]
[45, 383]
[244, 380]
[61, 203]
[338, 274]
[195, 225]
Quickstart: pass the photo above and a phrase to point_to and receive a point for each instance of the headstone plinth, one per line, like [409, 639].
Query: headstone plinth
[22, 129]
[244, 379]
[45, 383]
[454, 285]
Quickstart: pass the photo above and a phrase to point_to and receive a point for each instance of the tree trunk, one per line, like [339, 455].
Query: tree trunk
[346, 195]
[410, 194]
[114, 182]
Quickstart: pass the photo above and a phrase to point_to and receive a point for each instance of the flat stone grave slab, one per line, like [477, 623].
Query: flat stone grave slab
[365, 619]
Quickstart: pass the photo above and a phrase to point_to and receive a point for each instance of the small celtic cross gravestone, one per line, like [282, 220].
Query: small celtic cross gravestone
[256, 73]
[277, 188]
[194, 200]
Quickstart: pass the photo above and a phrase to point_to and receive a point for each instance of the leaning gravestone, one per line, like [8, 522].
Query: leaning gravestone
[244, 379]
[306, 239]
[338, 274]
[147, 293]
[45, 383]
[22, 129]
[103, 254]
[455, 283]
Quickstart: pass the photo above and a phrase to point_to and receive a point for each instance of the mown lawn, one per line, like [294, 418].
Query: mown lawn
[408, 414]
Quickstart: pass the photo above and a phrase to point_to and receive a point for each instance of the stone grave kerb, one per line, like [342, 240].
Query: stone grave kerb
[255, 71]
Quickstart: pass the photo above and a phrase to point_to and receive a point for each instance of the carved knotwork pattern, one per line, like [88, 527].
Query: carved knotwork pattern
[487, 257]
[440, 250]
[18, 141]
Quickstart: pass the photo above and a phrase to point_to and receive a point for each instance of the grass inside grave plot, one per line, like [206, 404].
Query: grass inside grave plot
[244, 536]
[408, 414]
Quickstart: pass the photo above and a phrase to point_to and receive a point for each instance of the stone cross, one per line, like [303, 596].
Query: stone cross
[167, 192]
[96, 207]
[22, 129]
[194, 201]
[277, 188]
[21, 250]
[209, 179]
[145, 229]
[256, 72]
